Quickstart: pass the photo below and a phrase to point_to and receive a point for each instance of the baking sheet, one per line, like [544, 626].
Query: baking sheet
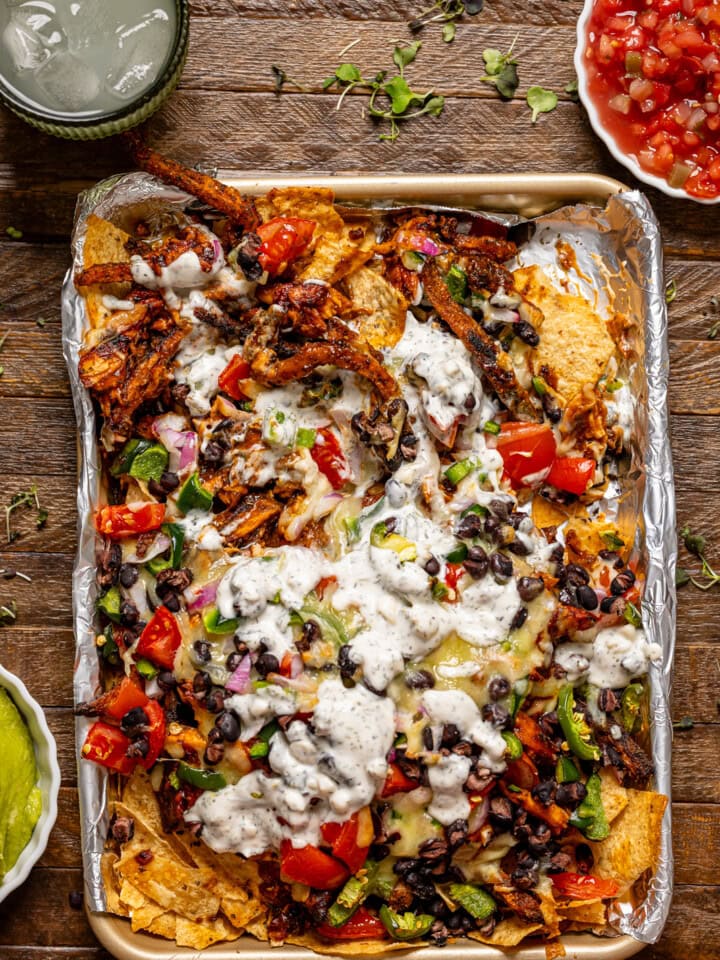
[617, 242]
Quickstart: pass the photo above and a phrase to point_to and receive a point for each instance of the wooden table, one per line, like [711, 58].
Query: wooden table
[226, 113]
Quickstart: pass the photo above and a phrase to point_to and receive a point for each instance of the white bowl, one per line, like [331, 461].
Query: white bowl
[625, 159]
[48, 780]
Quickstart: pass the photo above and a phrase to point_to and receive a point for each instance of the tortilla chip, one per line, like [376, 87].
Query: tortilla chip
[111, 885]
[383, 322]
[575, 344]
[332, 254]
[202, 935]
[356, 948]
[104, 243]
[164, 926]
[143, 912]
[553, 951]
[614, 797]
[590, 912]
[508, 933]
[165, 879]
[634, 842]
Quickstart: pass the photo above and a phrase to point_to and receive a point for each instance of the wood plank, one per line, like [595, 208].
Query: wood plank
[691, 314]
[694, 377]
[56, 953]
[37, 436]
[64, 848]
[32, 360]
[44, 603]
[21, 655]
[62, 726]
[690, 930]
[543, 53]
[692, 781]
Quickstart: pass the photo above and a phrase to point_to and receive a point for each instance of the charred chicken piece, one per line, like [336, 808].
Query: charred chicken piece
[386, 431]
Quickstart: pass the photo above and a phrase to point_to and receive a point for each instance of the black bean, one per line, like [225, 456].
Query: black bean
[622, 582]
[456, 834]
[267, 663]
[166, 680]
[518, 547]
[557, 553]
[519, 619]
[501, 566]
[345, 662]
[463, 748]
[172, 602]
[390, 524]
[201, 684]
[156, 490]
[497, 715]
[437, 907]
[501, 508]
[548, 723]
[501, 811]
[454, 921]
[240, 646]
[570, 794]
[128, 574]
[428, 741]
[418, 679]
[521, 829]
[498, 688]
[433, 849]
[470, 526]
[202, 651]
[545, 792]
[169, 481]
[75, 899]
[233, 661]
[311, 633]
[529, 588]
[213, 453]
[477, 563]
[492, 529]
[134, 722]
[439, 933]
[568, 596]
[559, 861]
[215, 700]
[525, 879]
[228, 725]
[432, 567]
[138, 748]
[540, 841]
[613, 605]
[214, 752]
[9, 574]
[527, 333]
[574, 575]
[587, 598]
[450, 736]
[478, 780]
[129, 613]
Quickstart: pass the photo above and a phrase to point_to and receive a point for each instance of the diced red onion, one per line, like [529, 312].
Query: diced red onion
[503, 315]
[697, 118]
[478, 815]
[203, 597]
[423, 244]
[180, 443]
[620, 103]
[239, 681]
[296, 665]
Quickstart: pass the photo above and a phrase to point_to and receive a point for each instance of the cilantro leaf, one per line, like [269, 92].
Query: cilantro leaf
[401, 96]
[448, 32]
[541, 101]
[348, 73]
[501, 71]
[405, 54]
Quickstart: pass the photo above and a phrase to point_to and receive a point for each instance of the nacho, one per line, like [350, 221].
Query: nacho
[362, 608]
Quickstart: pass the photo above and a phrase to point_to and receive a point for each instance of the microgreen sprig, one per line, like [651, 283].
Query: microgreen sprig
[671, 290]
[389, 99]
[28, 498]
[8, 613]
[501, 71]
[281, 78]
[696, 544]
[447, 12]
[541, 101]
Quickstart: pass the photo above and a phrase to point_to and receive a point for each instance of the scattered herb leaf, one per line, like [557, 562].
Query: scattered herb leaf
[8, 613]
[572, 89]
[682, 577]
[671, 290]
[541, 101]
[41, 321]
[404, 54]
[447, 12]
[501, 71]
[714, 331]
[14, 233]
[694, 542]
[28, 498]
[281, 78]
[684, 723]
[448, 32]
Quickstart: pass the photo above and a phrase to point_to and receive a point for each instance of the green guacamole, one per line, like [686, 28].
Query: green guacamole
[20, 798]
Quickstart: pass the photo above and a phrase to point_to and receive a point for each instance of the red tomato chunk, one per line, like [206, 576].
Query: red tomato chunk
[654, 77]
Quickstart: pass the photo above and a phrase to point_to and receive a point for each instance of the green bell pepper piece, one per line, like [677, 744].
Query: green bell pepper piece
[203, 779]
[150, 464]
[456, 280]
[566, 771]
[458, 471]
[261, 748]
[590, 815]
[109, 649]
[405, 926]
[577, 733]
[146, 669]
[493, 427]
[352, 529]
[216, 626]
[630, 705]
[194, 495]
[332, 626]
[174, 561]
[513, 748]
[356, 891]
[305, 437]
[109, 604]
[458, 554]
[479, 904]
[123, 461]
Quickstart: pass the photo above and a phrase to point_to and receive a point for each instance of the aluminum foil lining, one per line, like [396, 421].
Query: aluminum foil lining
[619, 260]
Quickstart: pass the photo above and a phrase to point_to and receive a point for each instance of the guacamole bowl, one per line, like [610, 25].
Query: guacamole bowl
[48, 780]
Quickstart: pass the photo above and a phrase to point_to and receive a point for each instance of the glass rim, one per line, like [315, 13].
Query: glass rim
[175, 57]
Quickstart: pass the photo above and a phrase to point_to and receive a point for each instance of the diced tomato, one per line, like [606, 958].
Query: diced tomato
[311, 866]
[527, 450]
[156, 732]
[125, 696]
[284, 239]
[397, 782]
[230, 380]
[286, 664]
[160, 639]
[362, 925]
[453, 574]
[108, 745]
[327, 454]
[581, 887]
[350, 840]
[572, 474]
[129, 519]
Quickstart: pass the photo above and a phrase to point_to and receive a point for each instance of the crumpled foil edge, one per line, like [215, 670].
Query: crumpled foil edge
[628, 219]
